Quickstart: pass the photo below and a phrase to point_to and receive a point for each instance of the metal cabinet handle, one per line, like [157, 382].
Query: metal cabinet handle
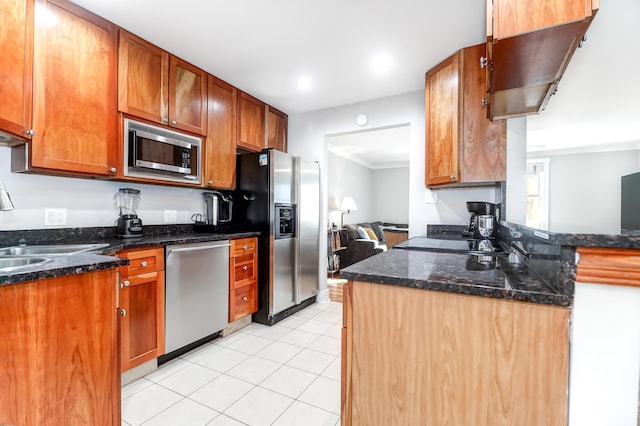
[124, 283]
[245, 268]
[453, 177]
[144, 263]
[113, 170]
[484, 102]
[174, 122]
[245, 298]
[582, 41]
[245, 247]
[483, 61]
[210, 182]
[30, 132]
[165, 119]
[123, 312]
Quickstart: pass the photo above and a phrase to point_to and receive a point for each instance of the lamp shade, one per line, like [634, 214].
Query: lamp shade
[348, 204]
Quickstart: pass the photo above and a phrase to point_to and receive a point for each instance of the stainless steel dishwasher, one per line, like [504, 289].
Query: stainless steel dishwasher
[197, 292]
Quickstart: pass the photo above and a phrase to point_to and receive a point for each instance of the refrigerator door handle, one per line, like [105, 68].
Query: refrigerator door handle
[296, 254]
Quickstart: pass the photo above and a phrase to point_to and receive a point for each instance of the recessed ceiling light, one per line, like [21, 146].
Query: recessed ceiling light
[381, 63]
[304, 83]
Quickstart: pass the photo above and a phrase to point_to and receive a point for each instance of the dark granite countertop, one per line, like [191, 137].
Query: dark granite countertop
[103, 259]
[456, 273]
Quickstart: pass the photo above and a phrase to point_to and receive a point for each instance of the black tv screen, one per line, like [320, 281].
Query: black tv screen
[630, 209]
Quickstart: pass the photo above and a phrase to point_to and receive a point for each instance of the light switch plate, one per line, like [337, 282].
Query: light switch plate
[55, 216]
[170, 216]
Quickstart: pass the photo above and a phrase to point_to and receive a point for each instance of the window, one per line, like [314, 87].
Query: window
[538, 193]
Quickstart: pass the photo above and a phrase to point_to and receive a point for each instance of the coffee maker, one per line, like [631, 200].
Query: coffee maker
[218, 208]
[482, 222]
[128, 224]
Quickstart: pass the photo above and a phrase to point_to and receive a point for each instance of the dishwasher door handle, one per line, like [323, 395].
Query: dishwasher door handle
[186, 249]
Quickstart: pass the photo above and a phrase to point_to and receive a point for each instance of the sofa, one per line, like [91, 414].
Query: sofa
[362, 240]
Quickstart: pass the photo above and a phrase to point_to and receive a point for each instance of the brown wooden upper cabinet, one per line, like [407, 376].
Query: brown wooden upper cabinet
[463, 146]
[277, 126]
[74, 128]
[529, 45]
[16, 39]
[160, 87]
[220, 148]
[250, 122]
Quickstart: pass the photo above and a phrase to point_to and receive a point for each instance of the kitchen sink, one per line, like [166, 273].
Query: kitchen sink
[17, 262]
[50, 250]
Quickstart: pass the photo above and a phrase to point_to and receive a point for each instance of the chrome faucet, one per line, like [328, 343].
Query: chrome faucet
[5, 200]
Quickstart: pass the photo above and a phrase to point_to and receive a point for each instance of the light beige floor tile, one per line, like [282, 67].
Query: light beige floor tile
[189, 379]
[223, 360]
[323, 393]
[308, 313]
[223, 420]
[315, 326]
[292, 322]
[330, 317]
[300, 413]
[220, 393]
[249, 344]
[226, 341]
[147, 403]
[184, 412]
[272, 333]
[288, 381]
[334, 370]
[253, 327]
[201, 352]
[259, 407]
[335, 331]
[253, 370]
[311, 361]
[327, 345]
[335, 307]
[279, 352]
[135, 387]
[167, 369]
[298, 338]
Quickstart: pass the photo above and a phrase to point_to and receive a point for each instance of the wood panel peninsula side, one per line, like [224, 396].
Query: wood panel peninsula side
[421, 357]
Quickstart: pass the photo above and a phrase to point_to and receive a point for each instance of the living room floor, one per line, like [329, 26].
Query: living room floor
[286, 374]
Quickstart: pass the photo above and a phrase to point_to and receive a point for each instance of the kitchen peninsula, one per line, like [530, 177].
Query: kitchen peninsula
[433, 337]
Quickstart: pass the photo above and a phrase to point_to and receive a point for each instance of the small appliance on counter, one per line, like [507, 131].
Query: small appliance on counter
[128, 224]
[218, 208]
[482, 222]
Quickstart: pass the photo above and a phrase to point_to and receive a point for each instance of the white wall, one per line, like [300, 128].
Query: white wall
[89, 202]
[391, 195]
[347, 178]
[584, 190]
[307, 132]
[516, 170]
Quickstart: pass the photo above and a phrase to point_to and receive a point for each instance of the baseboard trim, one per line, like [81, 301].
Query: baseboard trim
[323, 295]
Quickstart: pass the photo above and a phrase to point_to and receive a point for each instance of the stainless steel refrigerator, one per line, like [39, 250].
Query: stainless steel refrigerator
[279, 195]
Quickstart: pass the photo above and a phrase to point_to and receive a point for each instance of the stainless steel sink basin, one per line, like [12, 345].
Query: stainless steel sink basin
[17, 262]
[50, 250]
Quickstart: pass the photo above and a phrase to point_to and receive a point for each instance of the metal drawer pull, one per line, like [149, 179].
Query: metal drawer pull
[245, 298]
[245, 247]
[123, 312]
[144, 263]
[245, 268]
[125, 283]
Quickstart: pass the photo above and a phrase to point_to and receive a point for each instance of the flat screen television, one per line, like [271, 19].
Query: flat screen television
[630, 203]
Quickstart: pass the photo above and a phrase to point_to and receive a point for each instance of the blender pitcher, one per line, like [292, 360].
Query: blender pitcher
[128, 224]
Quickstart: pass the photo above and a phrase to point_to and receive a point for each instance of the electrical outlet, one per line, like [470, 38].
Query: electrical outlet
[170, 216]
[55, 216]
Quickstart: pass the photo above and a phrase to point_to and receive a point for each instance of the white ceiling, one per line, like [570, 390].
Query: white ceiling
[265, 47]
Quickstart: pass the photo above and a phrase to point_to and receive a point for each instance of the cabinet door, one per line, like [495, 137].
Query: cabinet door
[483, 143]
[75, 97]
[142, 331]
[441, 104]
[59, 351]
[276, 129]
[16, 39]
[250, 123]
[143, 80]
[220, 146]
[187, 96]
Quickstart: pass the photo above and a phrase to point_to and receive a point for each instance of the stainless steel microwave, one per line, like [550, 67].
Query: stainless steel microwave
[156, 153]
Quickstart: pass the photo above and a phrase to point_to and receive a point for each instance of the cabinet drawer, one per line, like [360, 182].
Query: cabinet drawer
[244, 302]
[243, 246]
[142, 261]
[244, 269]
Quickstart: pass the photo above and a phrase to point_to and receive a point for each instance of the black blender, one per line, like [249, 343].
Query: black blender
[128, 225]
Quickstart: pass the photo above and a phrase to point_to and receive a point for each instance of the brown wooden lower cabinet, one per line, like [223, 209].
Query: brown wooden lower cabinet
[142, 299]
[59, 351]
[243, 278]
[420, 357]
